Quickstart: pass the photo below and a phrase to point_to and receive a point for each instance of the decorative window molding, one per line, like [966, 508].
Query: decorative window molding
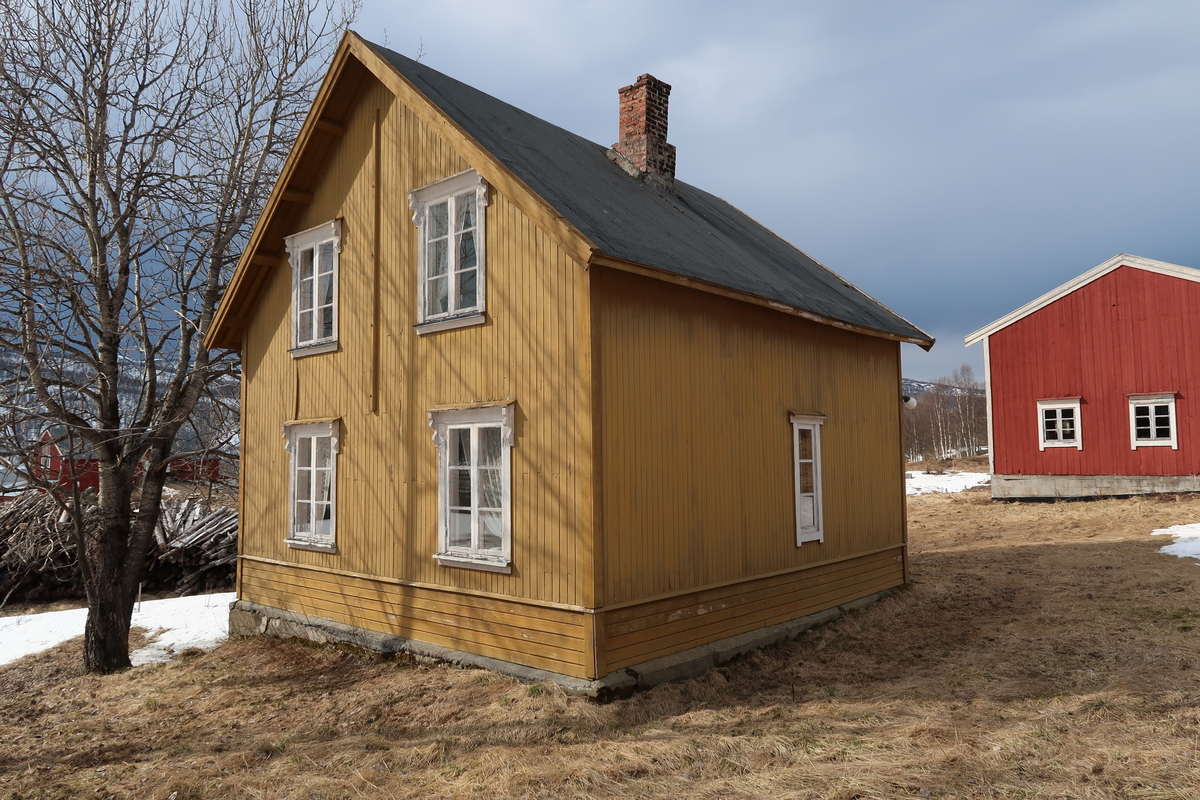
[314, 255]
[806, 462]
[1058, 423]
[1152, 421]
[474, 486]
[450, 216]
[313, 448]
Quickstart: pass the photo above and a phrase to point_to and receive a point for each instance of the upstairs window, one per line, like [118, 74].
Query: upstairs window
[1152, 421]
[474, 487]
[451, 257]
[313, 255]
[806, 448]
[1058, 424]
[312, 519]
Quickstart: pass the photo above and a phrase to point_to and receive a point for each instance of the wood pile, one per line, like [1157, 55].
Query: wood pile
[194, 548]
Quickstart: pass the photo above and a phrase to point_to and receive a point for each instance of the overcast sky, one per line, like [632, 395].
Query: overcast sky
[953, 159]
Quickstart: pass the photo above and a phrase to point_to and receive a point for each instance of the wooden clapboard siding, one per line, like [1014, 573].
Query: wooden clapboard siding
[638, 633]
[536, 636]
[695, 391]
[533, 351]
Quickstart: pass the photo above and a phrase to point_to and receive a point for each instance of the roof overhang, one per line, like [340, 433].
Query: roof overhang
[724, 291]
[1123, 260]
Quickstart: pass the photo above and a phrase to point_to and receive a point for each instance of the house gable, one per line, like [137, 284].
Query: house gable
[1123, 260]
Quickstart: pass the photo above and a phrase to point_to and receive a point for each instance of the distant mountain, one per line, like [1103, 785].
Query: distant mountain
[915, 388]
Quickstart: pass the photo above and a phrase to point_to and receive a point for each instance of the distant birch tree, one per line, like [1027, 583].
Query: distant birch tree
[138, 141]
[950, 418]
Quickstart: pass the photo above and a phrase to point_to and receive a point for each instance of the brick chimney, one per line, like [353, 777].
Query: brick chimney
[643, 151]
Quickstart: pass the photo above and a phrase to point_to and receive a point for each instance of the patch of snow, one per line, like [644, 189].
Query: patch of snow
[921, 483]
[180, 622]
[1187, 540]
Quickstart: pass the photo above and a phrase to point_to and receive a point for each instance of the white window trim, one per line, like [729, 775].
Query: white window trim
[440, 420]
[812, 422]
[1158, 399]
[296, 243]
[420, 200]
[1072, 403]
[291, 431]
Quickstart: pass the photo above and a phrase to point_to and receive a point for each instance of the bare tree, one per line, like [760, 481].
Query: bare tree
[950, 418]
[138, 140]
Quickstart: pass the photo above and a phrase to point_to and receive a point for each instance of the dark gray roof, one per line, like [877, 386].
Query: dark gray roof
[691, 233]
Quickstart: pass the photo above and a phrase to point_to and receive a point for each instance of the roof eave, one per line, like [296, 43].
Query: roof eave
[724, 291]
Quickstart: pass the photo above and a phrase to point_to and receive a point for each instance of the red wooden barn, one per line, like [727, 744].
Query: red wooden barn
[1090, 386]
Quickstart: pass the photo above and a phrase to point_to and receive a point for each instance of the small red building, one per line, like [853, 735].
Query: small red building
[1090, 386]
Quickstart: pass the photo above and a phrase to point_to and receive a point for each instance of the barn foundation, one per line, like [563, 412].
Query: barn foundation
[1045, 487]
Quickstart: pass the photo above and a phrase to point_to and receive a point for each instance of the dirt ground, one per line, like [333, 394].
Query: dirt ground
[1042, 651]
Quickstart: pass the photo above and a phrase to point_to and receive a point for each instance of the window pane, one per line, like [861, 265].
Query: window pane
[1067, 414]
[439, 300]
[1141, 412]
[465, 211]
[437, 258]
[1143, 429]
[303, 484]
[437, 220]
[807, 512]
[324, 486]
[460, 528]
[325, 290]
[1068, 428]
[806, 449]
[466, 290]
[324, 447]
[324, 511]
[806, 477]
[489, 447]
[306, 264]
[304, 327]
[304, 451]
[491, 531]
[302, 517]
[327, 322]
[489, 488]
[466, 251]
[460, 487]
[326, 265]
[460, 446]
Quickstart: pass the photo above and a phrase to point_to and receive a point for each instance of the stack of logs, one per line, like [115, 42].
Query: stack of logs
[194, 548]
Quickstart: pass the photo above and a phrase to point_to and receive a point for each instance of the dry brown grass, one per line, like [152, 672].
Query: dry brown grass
[1043, 650]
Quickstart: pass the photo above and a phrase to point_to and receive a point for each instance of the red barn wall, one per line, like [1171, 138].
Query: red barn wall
[1128, 332]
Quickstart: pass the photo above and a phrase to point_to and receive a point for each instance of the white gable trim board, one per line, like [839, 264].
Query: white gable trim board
[1123, 260]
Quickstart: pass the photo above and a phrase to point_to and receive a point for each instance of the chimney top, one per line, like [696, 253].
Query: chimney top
[643, 150]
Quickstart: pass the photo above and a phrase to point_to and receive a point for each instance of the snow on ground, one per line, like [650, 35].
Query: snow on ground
[920, 483]
[182, 622]
[1187, 540]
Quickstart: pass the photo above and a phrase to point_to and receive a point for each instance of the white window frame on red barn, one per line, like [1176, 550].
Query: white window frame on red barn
[1058, 404]
[1137, 401]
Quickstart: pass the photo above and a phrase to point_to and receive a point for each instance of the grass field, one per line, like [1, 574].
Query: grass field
[1043, 650]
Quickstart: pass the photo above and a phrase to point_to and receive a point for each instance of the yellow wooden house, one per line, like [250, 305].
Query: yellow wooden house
[516, 398]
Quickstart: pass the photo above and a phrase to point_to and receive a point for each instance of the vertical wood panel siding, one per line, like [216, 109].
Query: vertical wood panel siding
[1129, 332]
[696, 441]
[533, 350]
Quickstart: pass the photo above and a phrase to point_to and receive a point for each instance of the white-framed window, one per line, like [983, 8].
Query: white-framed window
[313, 255]
[474, 486]
[806, 449]
[312, 515]
[451, 256]
[1058, 423]
[1152, 421]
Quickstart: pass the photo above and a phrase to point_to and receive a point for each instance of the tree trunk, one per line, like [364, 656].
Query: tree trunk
[106, 635]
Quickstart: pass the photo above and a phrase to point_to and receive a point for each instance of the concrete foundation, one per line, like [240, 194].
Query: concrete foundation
[1043, 487]
[251, 619]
